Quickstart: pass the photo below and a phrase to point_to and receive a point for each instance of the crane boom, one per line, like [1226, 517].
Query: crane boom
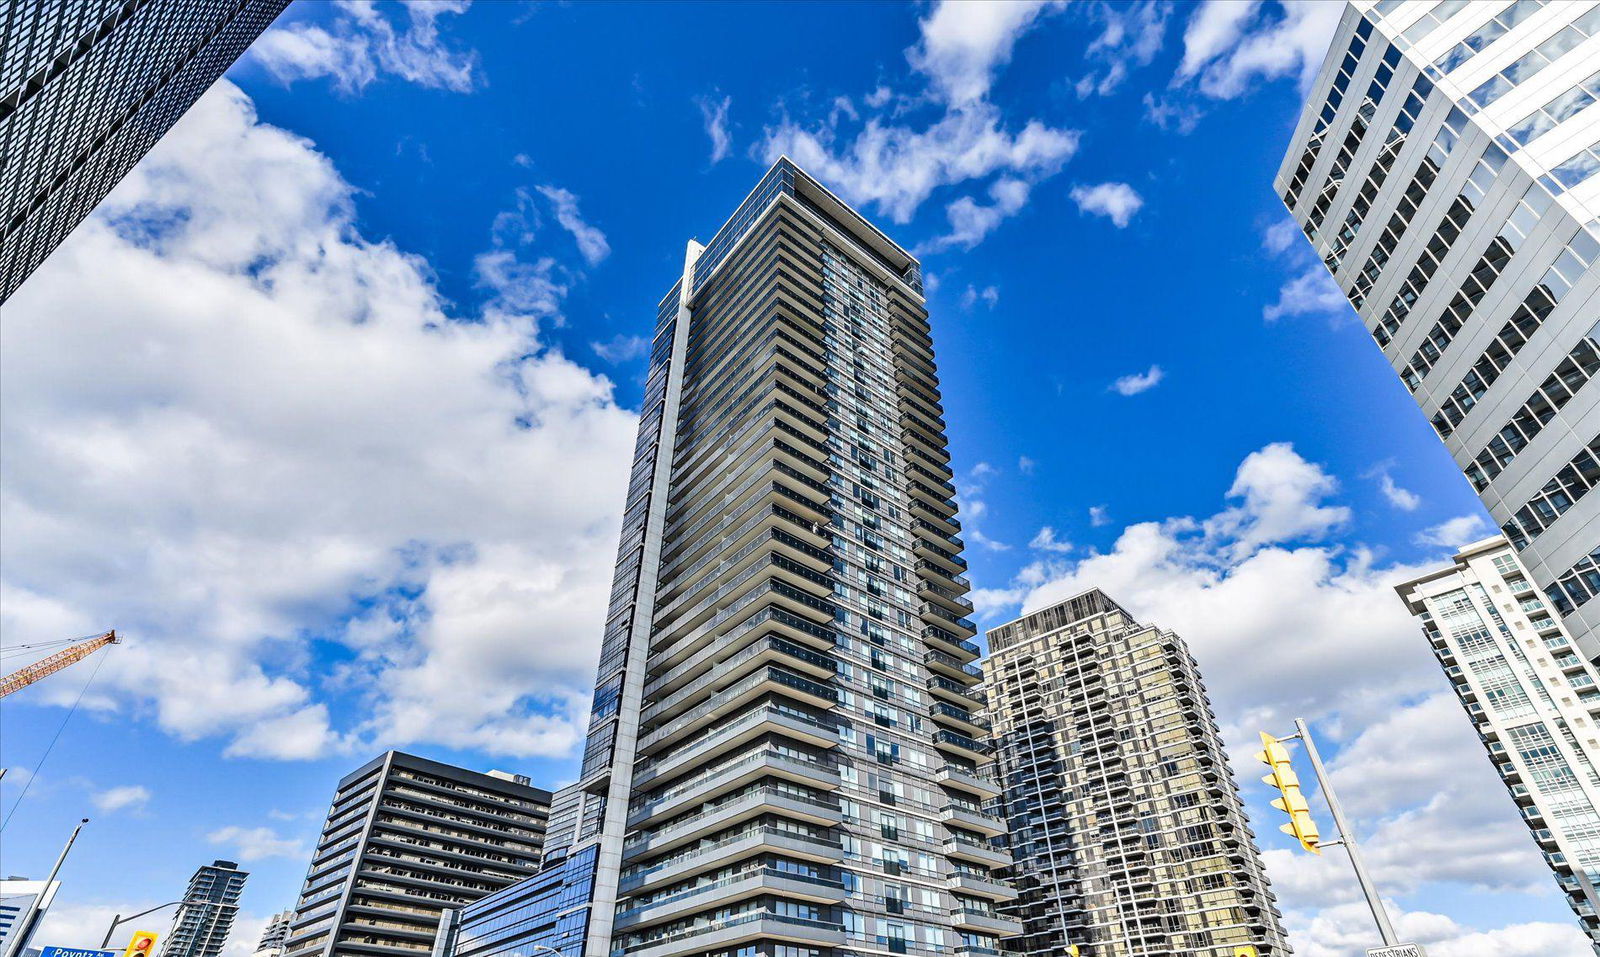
[45, 667]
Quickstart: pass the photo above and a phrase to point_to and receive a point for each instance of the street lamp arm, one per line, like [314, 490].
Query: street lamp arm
[119, 919]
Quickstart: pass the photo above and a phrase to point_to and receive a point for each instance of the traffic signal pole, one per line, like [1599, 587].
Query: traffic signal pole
[1347, 837]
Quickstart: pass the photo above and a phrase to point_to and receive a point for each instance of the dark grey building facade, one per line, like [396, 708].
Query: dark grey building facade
[86, 88]
[205, 918]
[405, 839]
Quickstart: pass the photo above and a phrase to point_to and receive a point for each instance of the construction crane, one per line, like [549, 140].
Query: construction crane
[45, 667]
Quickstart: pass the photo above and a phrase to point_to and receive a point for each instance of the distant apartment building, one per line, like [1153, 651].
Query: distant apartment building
[1533, 699]
[405, 839]
[18, 896]
[275, 935]
[205, 918]
[1127, 833]
[87, 87]
[1445, 172]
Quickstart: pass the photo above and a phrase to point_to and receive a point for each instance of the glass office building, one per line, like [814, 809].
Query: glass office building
[86, 88]
[1446, 170]
[1126, 828]
[1532, 698]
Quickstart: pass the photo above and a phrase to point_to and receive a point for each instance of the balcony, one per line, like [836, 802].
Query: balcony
[736, 847]
[952, 599]
[741, 886]
[960, 718]
[925, 444]
[731, 735]
[926, 500]
[734, 809]
[987, 922]
[972, 819]
[956, 668]
[820, 774]
[966, 849]
[941, 687]
[942, 574]
[970, 748]
[963, 780]
[957, 627]
[977, 885]
[722, 935]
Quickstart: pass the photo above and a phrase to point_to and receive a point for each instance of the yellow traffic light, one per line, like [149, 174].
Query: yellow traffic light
[1293, 802]
[143, 944]
[1244, 951]
[1072, 950]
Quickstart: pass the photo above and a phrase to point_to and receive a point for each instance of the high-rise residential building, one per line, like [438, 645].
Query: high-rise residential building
[1126, 829]
[275, 935]
[405, 839]
[205, 918]
[86, 88]
[1534, 701]
[19, 896]
[1445, 172]
[784, 756]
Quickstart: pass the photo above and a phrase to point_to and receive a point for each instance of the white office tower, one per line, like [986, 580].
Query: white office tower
[1533, 700]
[19, 896]
[1444, 169]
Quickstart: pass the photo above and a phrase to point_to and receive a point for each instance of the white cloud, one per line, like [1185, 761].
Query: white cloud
[1403, 499]
[1280, 236]
[964, 44]
[1230, 45]
[1282, 501]
[363, 41]
[970, 221]
[1099, 516]
[1046, 541]
[984, 470]
[256, 843]
[622, 348]
[591, 241]
[1311, 293]
[1454, 532]
[1171, 113]
[1137, 382]
[988, 295]
[300, 449]
[1115, 201]
[1026, 465]
[122, 798]
[714, 113]
[1131, 35]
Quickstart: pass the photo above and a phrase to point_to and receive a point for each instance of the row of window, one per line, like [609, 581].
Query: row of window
[1546, 118]
[1577, 585]
[1541, 56]
[1577, 368]
[1574, 171]
[1352, 140]
[1439, 245]
[1497, 27]
[1362, 204]
[1432, 20]
[1570, 262]
[1444, 140]
[1330, 107]
[1477, 283]
[1572, 482]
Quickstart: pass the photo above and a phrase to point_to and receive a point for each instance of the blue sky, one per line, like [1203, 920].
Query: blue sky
[329, 407]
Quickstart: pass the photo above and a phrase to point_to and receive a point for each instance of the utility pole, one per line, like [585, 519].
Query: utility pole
[31, 915]
[1347, 837]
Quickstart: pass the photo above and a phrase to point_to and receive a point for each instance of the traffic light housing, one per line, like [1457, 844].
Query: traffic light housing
[1293, 803]
[143, 944]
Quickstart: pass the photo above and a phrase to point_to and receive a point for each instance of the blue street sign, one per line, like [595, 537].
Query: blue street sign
[77, 952]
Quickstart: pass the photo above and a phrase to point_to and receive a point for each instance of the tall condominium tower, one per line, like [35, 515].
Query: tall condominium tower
[86, 88]
[406, 838]
[784, 756]
[1534, 701]
[275, 935]
[1127, 831]
[205, 918]
[1444, 171]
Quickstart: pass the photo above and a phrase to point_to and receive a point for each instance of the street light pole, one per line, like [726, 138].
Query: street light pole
[119, 919]
[25, 924]
[1347, 837]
